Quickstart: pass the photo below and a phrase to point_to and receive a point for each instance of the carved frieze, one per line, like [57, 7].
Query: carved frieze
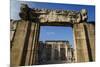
[47, 15]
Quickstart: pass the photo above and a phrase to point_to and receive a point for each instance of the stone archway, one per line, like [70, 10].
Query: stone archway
[24, 44]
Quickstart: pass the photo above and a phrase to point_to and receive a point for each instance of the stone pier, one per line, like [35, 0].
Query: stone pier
[81, 44]
[18, 42]
[25, 44]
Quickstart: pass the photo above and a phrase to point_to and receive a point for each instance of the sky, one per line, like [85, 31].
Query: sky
[56, 33]
[52, 32]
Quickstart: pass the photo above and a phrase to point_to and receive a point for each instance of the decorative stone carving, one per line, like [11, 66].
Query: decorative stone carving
[47, 15]
[24, 12]
[84, 14]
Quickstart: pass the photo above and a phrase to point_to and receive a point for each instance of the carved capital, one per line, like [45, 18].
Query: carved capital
[84, 14]
[24, 11]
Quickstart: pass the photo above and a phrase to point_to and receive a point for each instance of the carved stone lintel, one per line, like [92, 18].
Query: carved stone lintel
[46, 15]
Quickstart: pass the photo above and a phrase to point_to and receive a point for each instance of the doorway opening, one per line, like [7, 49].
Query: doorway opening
[55, 45]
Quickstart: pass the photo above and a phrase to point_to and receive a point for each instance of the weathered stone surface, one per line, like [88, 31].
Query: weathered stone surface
[18, 42]
[35, 43]
[13, 26]
[25, 43]
[90, 34]
[80, 43]
[84, 42]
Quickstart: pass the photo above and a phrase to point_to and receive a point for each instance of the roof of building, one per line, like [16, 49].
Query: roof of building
[56, 41]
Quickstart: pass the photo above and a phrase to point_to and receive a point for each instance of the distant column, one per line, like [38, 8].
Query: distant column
[59, 51]
[66, 50]
[52, 53]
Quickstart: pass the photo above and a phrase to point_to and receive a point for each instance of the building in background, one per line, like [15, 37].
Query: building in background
[55, 51]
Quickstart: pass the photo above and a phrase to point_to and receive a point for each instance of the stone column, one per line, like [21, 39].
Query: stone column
[19, 42]
[59, 51]
[52, 53]
[80, 43]
[32, 44]
[74, 39]
[90, 34]
[33, 49]
[66, 50]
